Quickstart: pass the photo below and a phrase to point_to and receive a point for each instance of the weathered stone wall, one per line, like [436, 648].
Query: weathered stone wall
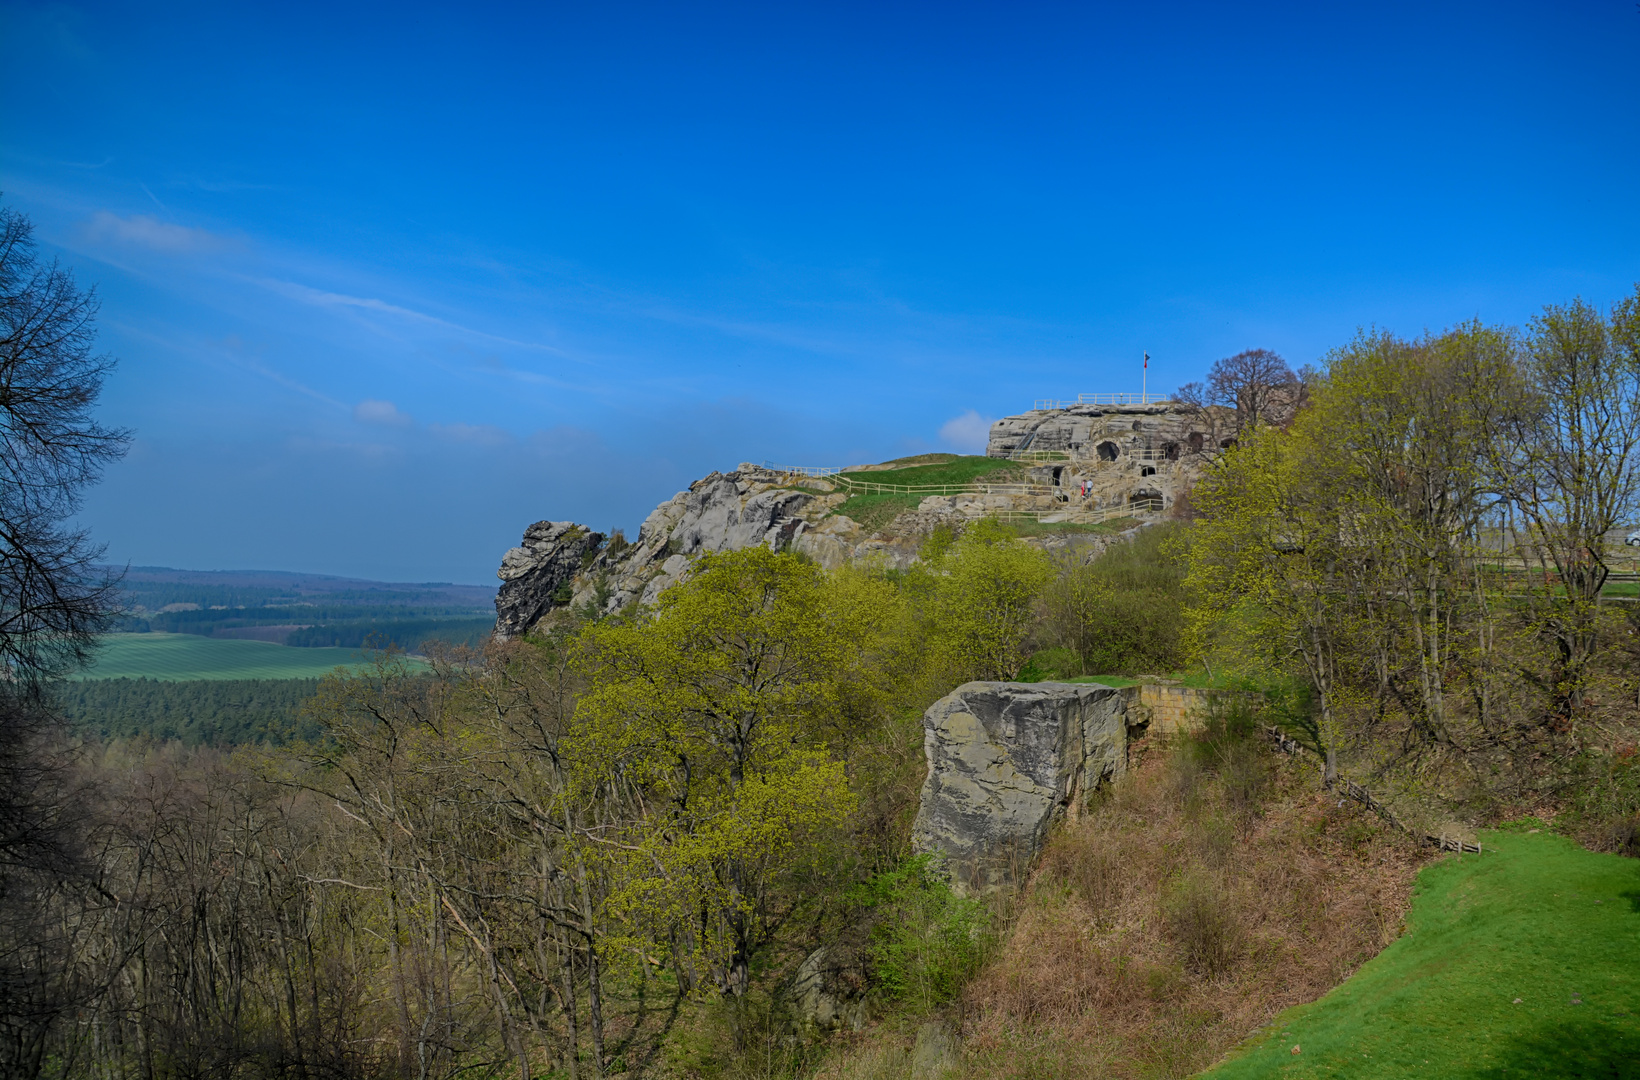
[1172, 709]
[1139, 457]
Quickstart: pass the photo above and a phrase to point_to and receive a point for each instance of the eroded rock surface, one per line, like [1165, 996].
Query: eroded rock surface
[557, 566]
[537, 574]
[1007, 760]
[828, 990]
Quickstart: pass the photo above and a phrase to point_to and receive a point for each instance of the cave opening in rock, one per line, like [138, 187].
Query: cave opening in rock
[1145, 499]
[1197, 441]
[1170, 451]
[1107, 451]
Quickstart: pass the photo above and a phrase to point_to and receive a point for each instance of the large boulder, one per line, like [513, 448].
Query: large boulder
[828, 990]
[1006, 761]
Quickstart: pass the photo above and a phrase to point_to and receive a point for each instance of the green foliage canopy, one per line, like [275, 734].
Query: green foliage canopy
[710, 713]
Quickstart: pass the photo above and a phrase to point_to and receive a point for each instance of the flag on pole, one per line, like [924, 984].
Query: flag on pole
[1147, 361]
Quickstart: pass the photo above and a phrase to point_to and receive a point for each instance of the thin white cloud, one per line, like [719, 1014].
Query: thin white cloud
[162, 207]
[321, 298]
[969, 432]
[385, 413]
[145, 230]
[478, 434]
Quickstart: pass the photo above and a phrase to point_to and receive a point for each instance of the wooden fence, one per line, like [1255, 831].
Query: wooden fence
[1350, 789]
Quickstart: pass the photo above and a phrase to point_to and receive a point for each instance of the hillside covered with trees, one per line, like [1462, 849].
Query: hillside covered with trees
[650, 843]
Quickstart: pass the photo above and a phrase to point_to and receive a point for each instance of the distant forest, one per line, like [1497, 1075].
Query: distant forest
[216, 712]
[305, 611]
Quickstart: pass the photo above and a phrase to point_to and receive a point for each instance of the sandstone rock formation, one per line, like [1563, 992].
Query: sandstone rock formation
[828, 990]
[560, 564]
[537, 574]
[1086, 464]
[1134, 457]
[1007, 760]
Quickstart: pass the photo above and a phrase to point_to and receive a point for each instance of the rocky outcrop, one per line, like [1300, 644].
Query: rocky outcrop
[828, 990]
[1007, 760]
[537, 574]
[561, 565]
[1094, 471]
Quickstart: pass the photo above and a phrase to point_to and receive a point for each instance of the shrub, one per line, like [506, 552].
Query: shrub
[928, 941]
[1605, 807]
[1230, 748]
[1122, 613]
[1202, 924]
[1091, 862]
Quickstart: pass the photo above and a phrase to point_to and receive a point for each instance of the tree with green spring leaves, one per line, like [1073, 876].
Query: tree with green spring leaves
[979, 594]
[704, 721]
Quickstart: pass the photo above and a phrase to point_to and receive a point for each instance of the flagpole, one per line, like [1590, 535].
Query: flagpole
[1144, 382]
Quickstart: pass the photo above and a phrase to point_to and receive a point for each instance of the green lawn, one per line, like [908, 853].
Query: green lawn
[957, 470]
[190, 656]
[1536, 919]
[873, 512]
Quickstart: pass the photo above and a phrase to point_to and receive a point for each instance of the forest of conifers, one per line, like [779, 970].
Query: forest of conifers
[208, 712]
[603, 849]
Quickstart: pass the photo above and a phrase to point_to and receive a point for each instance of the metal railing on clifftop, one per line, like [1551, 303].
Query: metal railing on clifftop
[1100, 399]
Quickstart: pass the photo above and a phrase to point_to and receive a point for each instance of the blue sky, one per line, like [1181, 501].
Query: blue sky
[388, 283]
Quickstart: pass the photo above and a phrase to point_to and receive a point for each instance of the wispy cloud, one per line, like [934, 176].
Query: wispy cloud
[385, 413]
[321, 298]
[147, 231]
[477, 434]
[162, 207]
[284, 380]
[199, 183]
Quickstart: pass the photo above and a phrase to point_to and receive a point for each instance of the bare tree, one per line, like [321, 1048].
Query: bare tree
[54, 600]
[1253, 387]
[1565, 455]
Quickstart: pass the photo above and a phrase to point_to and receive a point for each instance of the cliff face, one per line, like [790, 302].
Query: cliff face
[1005, 762]
[536, 575]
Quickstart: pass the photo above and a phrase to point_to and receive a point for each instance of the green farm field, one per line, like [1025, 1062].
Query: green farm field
[1521, 962]
[188, 656]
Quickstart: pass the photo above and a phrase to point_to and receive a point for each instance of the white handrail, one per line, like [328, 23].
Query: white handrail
[802, 470]
[1101, 399]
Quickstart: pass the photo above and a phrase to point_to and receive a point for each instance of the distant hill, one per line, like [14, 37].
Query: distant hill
[304, 610]
[156, 586]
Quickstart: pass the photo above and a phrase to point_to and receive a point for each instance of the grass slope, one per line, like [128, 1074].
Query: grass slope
[877, 509]
[956, 470]
[1536, 918]
[189, 656]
